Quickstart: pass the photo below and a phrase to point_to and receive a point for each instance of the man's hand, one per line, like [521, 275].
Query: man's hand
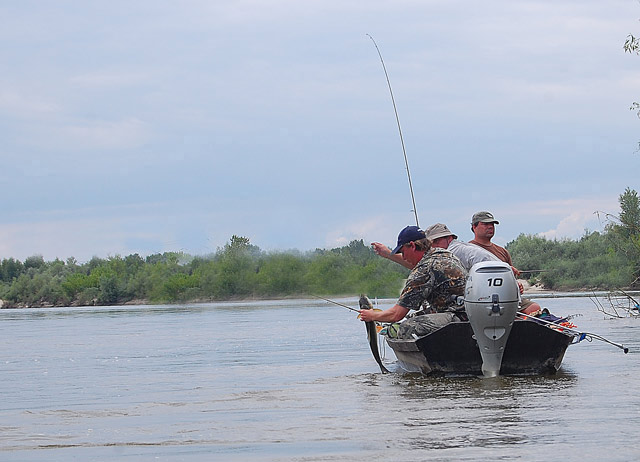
[385, 252]
[381, 249]
[367, 315]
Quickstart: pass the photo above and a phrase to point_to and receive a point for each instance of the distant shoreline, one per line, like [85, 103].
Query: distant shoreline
[529, 292]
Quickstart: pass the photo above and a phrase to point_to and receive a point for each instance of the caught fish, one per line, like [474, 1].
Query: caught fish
[372, 333]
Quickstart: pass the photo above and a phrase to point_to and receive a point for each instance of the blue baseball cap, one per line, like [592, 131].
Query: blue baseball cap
[408, 234]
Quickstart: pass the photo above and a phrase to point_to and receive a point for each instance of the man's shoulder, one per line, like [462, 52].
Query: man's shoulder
[488, 246]
[437, 257]
[495, 249]
[437, 253]
[499, 247]
[463, 245]
[434, 253]
[470, 248]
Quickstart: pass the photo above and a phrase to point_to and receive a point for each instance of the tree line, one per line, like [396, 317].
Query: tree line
[598, 260]
[239, 270]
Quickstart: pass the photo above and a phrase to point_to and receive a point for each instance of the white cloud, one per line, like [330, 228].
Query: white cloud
[125, 133]
[16, 104]
[379, 228]
[84, 233]
[570, 226]
[59, 239]
[280, 112]
[109, 79]
[567, 218]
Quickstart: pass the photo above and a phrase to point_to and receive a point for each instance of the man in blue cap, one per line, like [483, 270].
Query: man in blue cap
[437, 278]
[439, 236]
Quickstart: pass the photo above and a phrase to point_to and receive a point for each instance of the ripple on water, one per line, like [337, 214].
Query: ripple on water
[291, 382]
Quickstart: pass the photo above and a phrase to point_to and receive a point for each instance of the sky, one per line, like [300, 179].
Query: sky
[150, 126]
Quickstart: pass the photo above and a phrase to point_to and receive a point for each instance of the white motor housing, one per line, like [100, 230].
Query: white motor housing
[491, 300]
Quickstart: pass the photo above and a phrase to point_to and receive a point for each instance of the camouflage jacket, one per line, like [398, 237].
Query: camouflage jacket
[437, 279]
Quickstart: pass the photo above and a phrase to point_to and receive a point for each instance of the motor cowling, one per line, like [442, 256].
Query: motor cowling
[491, 302]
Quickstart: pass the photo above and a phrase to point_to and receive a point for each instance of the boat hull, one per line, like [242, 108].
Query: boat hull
[532, 348]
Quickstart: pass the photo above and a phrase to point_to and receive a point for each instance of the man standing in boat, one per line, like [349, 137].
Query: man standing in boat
[483, 225]
[437, 278]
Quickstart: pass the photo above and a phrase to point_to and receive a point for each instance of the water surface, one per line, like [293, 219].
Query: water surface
[293, 381]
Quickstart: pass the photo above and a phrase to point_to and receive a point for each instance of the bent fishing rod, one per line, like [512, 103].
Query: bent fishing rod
[395, 110]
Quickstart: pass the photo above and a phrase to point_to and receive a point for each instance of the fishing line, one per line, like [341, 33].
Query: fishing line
[395, 110]
[372, 333]
[336, 303]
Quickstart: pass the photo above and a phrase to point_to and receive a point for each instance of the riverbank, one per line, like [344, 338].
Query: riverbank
[530, 291]
[538, 291]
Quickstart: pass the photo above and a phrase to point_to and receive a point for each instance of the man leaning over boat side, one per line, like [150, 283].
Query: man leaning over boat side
[440, 236]
[483, 226]
[437, 278]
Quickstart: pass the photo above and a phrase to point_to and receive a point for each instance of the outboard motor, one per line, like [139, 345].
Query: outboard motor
[491, 299]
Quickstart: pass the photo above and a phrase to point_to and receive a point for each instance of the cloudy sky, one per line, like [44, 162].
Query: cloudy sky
[149, 126]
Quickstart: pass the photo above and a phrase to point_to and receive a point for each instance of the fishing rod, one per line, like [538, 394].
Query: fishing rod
[395, 110]
[336, 303]
[630, 298]
[581, 335]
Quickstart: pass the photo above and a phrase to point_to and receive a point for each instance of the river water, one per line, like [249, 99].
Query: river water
[293, 381]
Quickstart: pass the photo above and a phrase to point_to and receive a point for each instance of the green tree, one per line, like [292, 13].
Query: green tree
[35, 261]
[76, 283]
[327, 274]
[10, 269]
[598, 260]
[630, 212]
[281, 274]
[628, 228]
[235, 269]
[179, 286]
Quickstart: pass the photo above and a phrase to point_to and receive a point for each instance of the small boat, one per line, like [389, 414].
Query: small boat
[496, 340]
[532, 348]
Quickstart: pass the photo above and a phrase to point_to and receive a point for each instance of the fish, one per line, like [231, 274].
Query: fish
[372, 333]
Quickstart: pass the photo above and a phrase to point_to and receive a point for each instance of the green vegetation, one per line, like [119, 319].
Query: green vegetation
[606, 260]
[236, 271]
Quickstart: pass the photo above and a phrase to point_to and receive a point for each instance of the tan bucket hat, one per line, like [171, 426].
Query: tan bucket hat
[438, 230]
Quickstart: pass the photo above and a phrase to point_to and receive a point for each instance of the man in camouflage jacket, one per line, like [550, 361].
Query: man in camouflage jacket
[437, 278]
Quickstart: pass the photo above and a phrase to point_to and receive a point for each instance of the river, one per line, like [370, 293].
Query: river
[293, 381]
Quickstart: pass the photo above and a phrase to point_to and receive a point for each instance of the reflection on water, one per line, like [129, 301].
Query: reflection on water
[476, 412]
[291, 381]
